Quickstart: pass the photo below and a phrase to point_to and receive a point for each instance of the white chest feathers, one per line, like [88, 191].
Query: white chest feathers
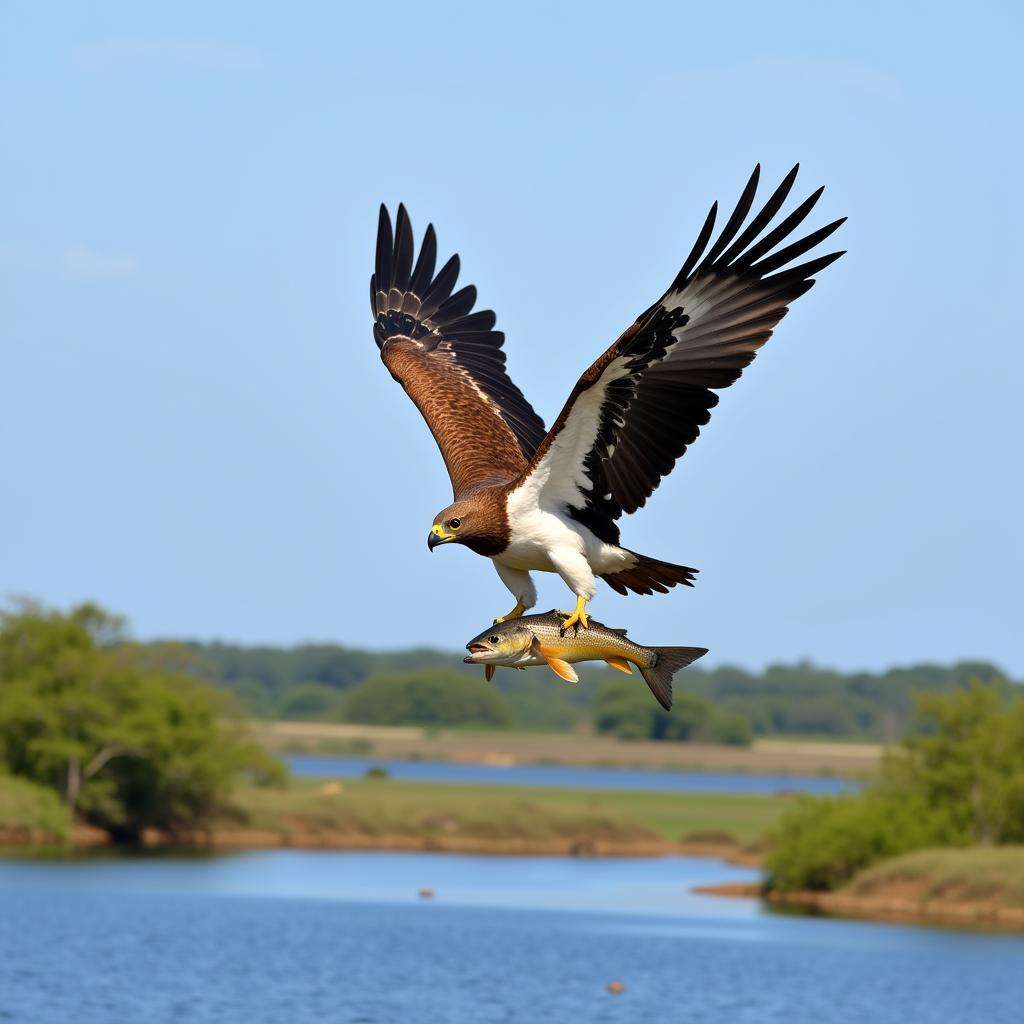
[549, 540]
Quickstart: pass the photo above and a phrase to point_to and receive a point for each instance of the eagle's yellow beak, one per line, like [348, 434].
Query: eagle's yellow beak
[438, 535]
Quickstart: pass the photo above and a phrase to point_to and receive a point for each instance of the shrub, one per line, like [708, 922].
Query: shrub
[958, 782]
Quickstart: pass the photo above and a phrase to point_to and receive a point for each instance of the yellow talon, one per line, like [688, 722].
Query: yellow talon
[578, 617]
[514, 614]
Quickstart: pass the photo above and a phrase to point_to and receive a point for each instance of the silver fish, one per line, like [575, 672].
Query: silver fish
[540, 640]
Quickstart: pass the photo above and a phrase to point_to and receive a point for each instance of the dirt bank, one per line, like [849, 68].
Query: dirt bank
[905, 902]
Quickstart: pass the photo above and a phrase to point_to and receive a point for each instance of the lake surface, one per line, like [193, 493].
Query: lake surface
[569, 776]
[304, 937]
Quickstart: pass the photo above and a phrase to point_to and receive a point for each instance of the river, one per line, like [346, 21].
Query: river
[304, 937]
[569, 776]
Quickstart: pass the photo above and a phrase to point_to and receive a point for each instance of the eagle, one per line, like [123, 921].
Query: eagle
[549, 500]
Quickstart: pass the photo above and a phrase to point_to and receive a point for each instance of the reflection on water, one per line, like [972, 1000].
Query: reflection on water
[292, 936]
[569, 776]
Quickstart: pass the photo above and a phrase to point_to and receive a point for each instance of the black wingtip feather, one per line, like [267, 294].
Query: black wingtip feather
[441, 287]
[804, 271]
[698, 248]
[385, 243]
[781, 230]
[739, 215]
[762, 219]
[402, 256]
[791, 252]
[424, 270]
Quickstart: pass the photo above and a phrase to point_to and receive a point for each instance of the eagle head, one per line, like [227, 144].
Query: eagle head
[471, 522]
[455, 523]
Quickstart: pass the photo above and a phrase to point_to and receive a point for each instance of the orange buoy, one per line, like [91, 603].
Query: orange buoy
[426, 893]
[616, 988]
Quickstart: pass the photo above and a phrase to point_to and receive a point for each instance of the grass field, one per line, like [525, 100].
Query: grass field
[379, 808]
[975, 875]
[767, 757]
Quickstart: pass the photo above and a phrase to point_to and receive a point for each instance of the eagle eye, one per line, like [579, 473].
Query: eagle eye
[454, 524]
[493, 639]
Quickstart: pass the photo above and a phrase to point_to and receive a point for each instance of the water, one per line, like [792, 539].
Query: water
[318, 937]
[569, 776]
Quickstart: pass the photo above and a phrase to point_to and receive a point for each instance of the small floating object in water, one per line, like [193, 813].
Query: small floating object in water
[426, 893]
[616, 988]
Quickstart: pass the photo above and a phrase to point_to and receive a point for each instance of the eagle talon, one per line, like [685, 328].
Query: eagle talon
[578, 617]
[514, 614]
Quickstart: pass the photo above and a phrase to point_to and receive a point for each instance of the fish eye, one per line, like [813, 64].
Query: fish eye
[454, 524]
[494, 639]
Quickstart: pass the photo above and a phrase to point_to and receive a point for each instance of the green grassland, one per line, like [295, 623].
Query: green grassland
[986, 874]
[369, 808]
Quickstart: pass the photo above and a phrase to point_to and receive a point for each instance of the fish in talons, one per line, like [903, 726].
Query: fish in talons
[534, 640]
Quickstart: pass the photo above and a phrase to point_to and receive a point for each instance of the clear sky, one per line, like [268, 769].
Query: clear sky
[196, 427]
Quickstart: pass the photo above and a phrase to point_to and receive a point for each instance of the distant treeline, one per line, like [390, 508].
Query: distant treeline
[432, 688]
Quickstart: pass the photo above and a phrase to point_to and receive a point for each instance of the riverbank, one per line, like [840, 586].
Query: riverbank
[978, 887]
[767, 757]
[383, 814]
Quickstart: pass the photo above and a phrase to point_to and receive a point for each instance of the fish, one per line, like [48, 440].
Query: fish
[540, 640]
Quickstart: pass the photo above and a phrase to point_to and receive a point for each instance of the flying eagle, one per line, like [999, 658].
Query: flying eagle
[530, 499]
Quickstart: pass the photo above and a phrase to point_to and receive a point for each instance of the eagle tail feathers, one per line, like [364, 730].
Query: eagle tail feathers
[649, 576]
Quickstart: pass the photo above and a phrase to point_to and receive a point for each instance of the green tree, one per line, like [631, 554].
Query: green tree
[310, 701]
[435, 697]
[126, 747]
[625, 708]
[958, 780]
[970, 760]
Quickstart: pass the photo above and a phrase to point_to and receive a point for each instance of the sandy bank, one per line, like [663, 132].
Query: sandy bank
[903, 902]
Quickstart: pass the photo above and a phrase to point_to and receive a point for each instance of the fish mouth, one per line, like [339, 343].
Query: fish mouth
[477, 653]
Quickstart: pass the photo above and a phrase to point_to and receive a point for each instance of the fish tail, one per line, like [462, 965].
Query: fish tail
[664, 664]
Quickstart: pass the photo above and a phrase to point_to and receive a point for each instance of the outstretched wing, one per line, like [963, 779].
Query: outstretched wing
[449, 360]
[635, 411]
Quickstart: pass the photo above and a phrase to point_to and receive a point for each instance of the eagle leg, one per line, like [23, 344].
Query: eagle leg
[514, 614]
[579, 616]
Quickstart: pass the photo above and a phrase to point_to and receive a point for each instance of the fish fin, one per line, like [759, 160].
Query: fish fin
[562, 668]
[489, 671]
[667, 661]
[611, 629]
[557, 665]
[621, 664]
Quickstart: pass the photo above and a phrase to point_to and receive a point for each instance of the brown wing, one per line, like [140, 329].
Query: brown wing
[639, 407]
[449, 360]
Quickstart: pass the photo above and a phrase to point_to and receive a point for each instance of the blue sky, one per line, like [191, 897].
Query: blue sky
[197, 430]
